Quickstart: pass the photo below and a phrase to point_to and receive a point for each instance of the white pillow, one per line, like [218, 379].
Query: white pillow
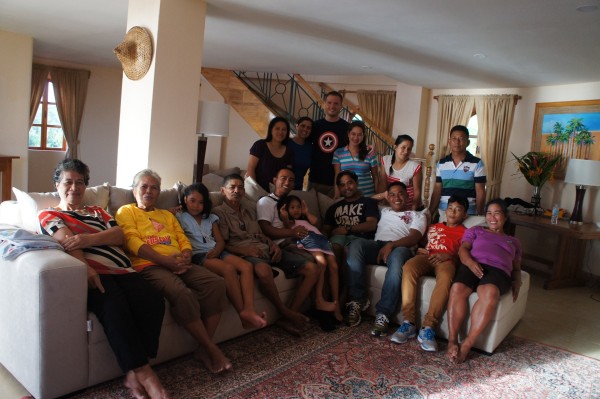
[253, 190]
[31, 203]
[474, 220]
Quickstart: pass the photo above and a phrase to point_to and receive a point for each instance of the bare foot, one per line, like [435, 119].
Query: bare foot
[297, 318]
[288, 326]
[251, 319]
[151, 384]
[325, 305]
[452, 352]
[135, 387]
[463, 353]
[213, 359]
[338, 314]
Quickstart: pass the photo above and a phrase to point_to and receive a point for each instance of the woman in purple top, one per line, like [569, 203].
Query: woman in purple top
[269, 155]
[491, 265]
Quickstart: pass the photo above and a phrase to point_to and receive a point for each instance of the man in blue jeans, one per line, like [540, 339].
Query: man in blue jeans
[398, 231]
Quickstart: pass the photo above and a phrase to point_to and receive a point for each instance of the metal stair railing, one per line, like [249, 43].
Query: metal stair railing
[291, 97]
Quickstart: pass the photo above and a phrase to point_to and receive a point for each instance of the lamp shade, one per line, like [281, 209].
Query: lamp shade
[583, 172]
[213, 119]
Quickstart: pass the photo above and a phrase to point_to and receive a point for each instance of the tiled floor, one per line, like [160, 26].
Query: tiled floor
[567, 318]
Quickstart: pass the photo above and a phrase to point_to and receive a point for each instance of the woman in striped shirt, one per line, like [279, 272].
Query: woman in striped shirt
[126, 305]
[357, 158]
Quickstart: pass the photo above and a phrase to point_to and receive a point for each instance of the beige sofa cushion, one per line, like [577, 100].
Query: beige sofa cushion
[31, 203]
[168, 198]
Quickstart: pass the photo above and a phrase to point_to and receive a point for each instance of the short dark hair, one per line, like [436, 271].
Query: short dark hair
[396, 183]
[460, 128]
[275, 120]
[335, 93]
[285, 168]
[460, 200]
[343, 173]
[203, 191]
[71, 164]
[233, 176]
[304, 118]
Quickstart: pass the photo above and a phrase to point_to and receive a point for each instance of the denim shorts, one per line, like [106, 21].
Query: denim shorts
[199, 258]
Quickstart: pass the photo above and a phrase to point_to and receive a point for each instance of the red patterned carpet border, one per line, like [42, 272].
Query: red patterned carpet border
[349, 363]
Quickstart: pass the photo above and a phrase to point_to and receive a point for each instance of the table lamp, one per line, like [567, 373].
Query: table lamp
[582, 173]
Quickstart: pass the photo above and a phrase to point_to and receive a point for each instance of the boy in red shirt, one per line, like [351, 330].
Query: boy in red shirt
[439, 257]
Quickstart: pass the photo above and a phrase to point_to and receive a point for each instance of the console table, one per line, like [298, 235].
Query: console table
[568, 258]
[6, 172]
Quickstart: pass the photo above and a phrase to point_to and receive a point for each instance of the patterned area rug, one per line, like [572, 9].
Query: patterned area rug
[349, 363]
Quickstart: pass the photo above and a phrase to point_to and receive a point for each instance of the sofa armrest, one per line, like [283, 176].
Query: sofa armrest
[10, 213]
[43, 337]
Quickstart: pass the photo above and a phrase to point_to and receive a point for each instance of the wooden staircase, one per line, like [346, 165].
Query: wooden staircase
[240, 98]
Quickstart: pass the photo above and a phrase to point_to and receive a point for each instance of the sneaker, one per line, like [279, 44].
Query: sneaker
[380, 326]
[427, 339]
[404, 333]
[354, 309]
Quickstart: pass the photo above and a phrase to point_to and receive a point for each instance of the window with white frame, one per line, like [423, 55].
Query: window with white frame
[46, 132]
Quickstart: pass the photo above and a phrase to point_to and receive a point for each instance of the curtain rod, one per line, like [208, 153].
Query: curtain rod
[518, 97]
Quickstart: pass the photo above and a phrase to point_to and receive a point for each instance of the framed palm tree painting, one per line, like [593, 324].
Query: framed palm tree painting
[569, 128]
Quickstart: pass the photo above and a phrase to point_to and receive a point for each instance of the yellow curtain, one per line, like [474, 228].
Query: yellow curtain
[495, 114]
[378, 106]
[39, 74]
[452, 111]
[70, 89]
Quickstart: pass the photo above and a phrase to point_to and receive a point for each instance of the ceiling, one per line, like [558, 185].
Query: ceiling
[438, 44]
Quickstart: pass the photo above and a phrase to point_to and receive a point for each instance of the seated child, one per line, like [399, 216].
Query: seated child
[439, 257]
[202, 229]
[294, 212]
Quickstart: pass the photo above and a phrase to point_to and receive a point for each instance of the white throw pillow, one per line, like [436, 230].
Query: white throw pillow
[253, 190]
[31, 203]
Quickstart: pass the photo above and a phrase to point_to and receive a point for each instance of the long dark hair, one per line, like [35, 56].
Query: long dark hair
[203, 191]
[399, 139]
[362, 147]
[272, 125]
[287, 201]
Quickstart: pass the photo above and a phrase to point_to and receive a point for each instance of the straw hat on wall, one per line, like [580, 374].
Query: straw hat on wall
[135, 52]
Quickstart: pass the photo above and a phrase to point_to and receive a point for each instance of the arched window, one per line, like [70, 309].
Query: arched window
[46, 132]
[473, 127]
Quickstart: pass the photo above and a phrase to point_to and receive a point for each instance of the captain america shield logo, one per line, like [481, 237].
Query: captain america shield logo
[328, 142]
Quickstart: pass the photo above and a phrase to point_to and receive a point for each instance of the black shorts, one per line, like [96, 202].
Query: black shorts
[491, 275]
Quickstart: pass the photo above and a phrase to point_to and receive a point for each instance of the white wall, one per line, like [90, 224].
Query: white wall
[99, 130]
[15, 89]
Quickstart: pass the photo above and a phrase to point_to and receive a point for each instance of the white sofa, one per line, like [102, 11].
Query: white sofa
[53, 346]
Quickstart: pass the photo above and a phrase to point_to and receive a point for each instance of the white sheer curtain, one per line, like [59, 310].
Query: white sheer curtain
[495, 114]
[452, 111]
